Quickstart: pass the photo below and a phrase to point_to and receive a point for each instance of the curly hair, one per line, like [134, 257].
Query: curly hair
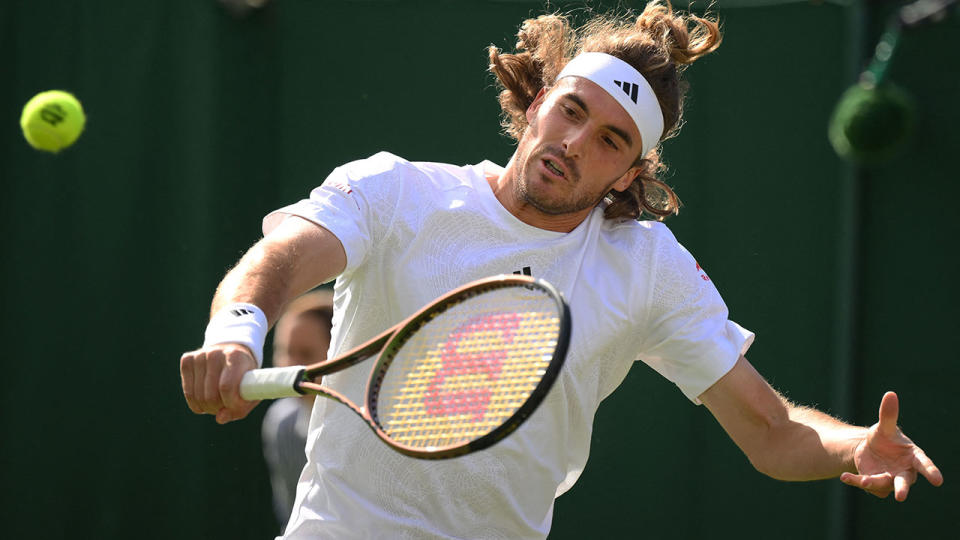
[659, 43]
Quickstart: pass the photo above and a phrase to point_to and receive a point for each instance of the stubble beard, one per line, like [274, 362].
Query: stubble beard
[526, 191]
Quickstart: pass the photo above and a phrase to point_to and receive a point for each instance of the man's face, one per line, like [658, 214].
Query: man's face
[579, 145]
[301, 341]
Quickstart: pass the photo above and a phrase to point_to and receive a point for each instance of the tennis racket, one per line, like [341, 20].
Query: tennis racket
[457, 376]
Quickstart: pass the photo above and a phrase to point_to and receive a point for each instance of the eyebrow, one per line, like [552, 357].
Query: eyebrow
[619, 132]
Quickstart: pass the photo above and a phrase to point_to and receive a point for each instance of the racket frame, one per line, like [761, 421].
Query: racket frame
[387, 343]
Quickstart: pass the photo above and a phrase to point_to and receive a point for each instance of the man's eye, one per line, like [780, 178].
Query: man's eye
[610, 142]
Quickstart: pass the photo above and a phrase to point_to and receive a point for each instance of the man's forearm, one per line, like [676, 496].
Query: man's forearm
[262, 277]
[808, 445]
[782, 440]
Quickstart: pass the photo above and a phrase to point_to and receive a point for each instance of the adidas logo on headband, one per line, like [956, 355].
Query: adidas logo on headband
[629, 89]
[637, 98]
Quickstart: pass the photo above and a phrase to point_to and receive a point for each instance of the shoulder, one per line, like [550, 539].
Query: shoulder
[390, 179]
[387, 164]
[639, 237]
[652, 244]
[382, 162]
[379, 164]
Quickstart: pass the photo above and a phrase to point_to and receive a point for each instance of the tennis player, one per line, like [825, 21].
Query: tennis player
[589, 108]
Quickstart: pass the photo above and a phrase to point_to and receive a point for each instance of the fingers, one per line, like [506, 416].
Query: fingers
[197, 368]
[889, 450]
[925, 467]
[883, 484]
[902, 483]
[234, 407]
[211, 378]
[211, 401]
[188, 367]
[879, 485]
[889, 412]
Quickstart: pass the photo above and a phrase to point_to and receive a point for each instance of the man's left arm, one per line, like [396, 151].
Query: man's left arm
[790, 442]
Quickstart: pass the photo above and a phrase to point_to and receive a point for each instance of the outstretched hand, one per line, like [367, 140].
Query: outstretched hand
[887, 460]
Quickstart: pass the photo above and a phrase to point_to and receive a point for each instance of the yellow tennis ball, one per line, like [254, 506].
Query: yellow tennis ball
[52, 120]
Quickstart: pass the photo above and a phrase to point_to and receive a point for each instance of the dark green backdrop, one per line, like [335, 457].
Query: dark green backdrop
[200, 123]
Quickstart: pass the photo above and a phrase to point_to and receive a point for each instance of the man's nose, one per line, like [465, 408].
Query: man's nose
[574, 142]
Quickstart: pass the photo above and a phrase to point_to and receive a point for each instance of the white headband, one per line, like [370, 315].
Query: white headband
[627, 86]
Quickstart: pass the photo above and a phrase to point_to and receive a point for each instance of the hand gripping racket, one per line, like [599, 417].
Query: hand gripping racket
[457, 376]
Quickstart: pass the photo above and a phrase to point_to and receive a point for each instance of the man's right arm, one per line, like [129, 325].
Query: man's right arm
[295, 257]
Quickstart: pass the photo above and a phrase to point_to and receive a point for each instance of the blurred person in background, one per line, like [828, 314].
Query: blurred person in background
[301, 337]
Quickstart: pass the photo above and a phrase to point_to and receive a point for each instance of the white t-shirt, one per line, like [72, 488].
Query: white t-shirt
[413, 231]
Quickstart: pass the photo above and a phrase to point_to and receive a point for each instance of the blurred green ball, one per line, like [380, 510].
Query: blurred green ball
[52, 120]
[871, 123]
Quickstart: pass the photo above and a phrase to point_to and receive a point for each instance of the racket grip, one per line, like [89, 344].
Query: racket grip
[271, 383]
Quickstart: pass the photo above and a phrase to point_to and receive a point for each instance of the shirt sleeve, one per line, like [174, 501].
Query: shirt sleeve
[689, 337]
[356, 203]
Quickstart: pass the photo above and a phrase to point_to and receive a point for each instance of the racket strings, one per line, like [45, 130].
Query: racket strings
[469, 369]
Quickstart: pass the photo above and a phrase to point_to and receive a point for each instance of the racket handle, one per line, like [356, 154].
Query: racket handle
[271, 383]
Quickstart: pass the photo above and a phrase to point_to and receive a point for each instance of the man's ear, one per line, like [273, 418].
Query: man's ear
[535, 106]
[628, 177]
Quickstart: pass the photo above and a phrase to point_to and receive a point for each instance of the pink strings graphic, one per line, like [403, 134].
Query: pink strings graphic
[472, 401]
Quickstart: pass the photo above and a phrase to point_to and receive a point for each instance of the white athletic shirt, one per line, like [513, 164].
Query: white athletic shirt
[413, 231]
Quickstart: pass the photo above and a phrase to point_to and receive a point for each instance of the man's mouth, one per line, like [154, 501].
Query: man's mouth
[554, 168]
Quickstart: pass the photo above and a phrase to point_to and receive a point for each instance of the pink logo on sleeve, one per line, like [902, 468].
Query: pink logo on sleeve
[703, 275]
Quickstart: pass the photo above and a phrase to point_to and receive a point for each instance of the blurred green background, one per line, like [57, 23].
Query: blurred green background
[200, 122]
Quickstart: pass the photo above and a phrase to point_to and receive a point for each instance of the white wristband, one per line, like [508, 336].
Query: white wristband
[238, 323]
